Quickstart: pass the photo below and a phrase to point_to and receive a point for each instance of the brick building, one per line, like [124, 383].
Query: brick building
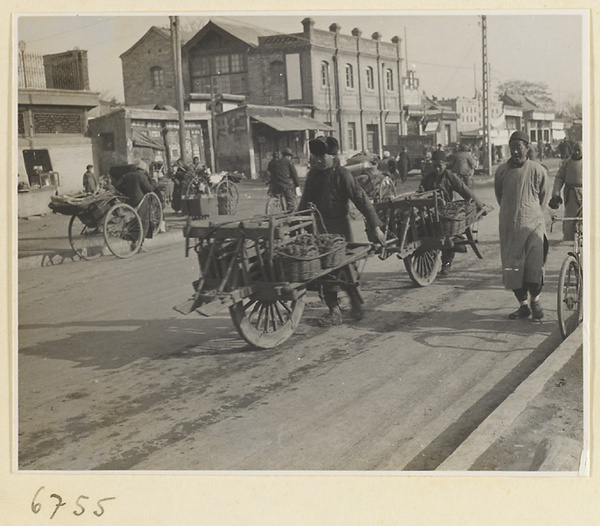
[348, 83]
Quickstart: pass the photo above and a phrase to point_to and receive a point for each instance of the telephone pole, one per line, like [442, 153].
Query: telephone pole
[176, 41]
[486, 98]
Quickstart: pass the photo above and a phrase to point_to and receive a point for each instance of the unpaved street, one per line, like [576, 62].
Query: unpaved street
[112, 378]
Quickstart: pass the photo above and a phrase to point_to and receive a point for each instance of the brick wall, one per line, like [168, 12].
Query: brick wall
[152, 51]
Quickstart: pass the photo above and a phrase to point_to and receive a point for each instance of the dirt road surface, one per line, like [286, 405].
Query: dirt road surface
[112, 378]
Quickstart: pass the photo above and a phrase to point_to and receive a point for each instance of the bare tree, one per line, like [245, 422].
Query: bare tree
[536, 92]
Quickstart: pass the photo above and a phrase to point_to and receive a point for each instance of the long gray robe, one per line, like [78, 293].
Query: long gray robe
[571, 177]
[521, 193]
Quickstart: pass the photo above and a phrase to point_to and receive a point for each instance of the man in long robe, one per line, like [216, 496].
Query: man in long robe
[569, 176]
[520, 187]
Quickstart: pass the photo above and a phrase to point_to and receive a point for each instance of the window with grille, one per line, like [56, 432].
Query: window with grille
[21, 123]
[57, 123]
[324, 74]
[352, 135]
[349, 76]
[157, 76]
[228, 73]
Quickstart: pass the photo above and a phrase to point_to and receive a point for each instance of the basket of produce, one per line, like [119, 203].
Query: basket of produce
[91, 208]
[456, 216]
[300, 260]
[332, 248]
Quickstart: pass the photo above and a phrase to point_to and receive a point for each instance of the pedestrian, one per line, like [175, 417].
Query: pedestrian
[181, 180]
[90, 182]
[134, 185]
[463, 165]
[520, 187]
[404, 164]
[330, 187]
[564, 149]
[439, 178]
[426, 165]
[569, 176]
[283, 179]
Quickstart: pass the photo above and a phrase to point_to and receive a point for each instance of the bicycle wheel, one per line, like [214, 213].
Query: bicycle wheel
[275, 205]
[123, 231]
[386, 189]
[156, 212]
[266, 324]
[569, 308]
[87, 242]
[423, 266]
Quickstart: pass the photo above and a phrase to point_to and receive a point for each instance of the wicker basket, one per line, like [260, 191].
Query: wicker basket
[456, 216]
[299, 268]
[332, 248]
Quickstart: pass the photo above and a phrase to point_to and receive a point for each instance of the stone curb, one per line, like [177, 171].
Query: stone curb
[496, 424]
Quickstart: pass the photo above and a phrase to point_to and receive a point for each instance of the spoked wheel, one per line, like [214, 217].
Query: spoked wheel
[385, 190]
[570, 311]
[227, 191]
[423, 266]
[123, 230]
[266, 324]
[87, 242]
[275, 205]
[156, 212]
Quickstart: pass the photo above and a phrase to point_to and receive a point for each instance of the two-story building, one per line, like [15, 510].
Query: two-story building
[342, 84]
[53, 146]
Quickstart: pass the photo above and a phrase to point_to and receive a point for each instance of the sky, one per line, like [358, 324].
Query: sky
[445, 48]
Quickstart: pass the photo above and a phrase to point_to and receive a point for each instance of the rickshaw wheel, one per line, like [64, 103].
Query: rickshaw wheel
[266, 324]
[123, 230]
[569, 309]
[87, 242]
[227, 188]
[423, 266]
[156, 212]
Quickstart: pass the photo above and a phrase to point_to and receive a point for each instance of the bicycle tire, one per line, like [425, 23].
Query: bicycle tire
[569, 297]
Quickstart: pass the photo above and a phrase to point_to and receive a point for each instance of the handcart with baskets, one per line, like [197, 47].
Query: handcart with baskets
[419, 225]
[105, 219]
[261, 268]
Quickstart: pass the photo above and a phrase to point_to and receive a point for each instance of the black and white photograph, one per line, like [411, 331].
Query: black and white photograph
[304, 243]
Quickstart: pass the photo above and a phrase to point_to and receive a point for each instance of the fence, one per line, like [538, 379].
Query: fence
[31, 70]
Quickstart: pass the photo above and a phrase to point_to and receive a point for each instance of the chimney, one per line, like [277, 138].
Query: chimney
[308, 24]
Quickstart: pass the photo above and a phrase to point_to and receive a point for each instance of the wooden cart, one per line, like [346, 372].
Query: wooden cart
[417, 233]
[242, 268]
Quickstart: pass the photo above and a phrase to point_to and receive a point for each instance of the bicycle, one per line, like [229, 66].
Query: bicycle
[570, 281]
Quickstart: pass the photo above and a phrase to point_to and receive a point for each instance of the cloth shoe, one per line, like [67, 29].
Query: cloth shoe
[537, 313]
[357, 309]
[445, 269]
[333, 317]
[522, 312]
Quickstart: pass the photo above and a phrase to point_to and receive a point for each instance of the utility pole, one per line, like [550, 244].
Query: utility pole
[176, 41]
[486, 97]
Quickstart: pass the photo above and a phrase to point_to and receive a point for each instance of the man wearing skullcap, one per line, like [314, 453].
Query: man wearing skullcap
[330, 187]
[284, 178]
[439, 178]
[569, 176]
[520, 187]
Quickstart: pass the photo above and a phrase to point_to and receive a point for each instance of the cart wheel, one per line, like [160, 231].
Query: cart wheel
[123, 230]
[156, 212]
[570, 313]
[266, 324]
[227, 189]
[385, 190]
[87, 242]
[423, 266]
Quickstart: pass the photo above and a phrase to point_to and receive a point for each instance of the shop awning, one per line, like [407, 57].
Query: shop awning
[288, 123]
[431, 127]
[139, 139]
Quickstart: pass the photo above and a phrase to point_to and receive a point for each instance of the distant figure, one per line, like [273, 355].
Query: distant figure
[284, 179]
[90, 182]
[569, 176]
[564, 149]
[463, 165]
[404, 164]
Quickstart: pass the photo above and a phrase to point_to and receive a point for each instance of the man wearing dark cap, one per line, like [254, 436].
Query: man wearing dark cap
[283, 178]
[520, 186]
[439, 178]
[330, 187]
